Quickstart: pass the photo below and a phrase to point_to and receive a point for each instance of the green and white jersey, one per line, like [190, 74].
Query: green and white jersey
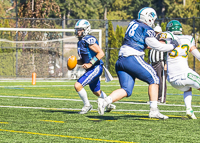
[177, 60]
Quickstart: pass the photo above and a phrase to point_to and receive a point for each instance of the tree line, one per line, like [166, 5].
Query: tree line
[93, 9]
[96, 9]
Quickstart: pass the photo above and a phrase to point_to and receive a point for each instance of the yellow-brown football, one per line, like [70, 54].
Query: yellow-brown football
[71, 62]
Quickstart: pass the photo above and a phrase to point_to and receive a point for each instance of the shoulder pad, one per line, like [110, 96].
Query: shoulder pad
[90, 39]
[167, 35]
[189, 37]
[151, 33]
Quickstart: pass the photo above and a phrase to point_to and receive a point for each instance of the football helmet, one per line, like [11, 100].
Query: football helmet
[174, 26]
[82, 24]
[147, 15]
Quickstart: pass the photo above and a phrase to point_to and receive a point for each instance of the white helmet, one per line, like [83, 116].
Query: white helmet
[82, 24]
[147, 15]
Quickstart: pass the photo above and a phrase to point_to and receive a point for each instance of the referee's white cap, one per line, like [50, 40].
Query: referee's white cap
[157, 28]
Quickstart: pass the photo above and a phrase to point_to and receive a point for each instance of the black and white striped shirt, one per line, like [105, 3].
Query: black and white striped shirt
[156, 56]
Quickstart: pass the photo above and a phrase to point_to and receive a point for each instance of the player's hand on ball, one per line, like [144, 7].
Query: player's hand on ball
[71, 62]
[158, 36]
[87, 66]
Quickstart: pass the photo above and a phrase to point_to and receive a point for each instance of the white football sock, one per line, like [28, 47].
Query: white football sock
[83, 95]
[108, 100]
[188, 99]
[153, 104]
[103, 95]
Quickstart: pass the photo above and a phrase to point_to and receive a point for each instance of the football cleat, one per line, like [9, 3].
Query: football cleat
[110, 107]
[101, 106]
[85, 109]
[190, 114]
[155, 113]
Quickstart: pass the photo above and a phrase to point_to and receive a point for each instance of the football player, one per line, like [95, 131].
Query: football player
[90, 55]
[180, 76]
[131, 65]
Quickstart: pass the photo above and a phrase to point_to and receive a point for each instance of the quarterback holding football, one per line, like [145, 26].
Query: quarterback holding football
[90, 55]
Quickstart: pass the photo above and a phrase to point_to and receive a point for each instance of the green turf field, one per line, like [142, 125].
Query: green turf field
[47, 112]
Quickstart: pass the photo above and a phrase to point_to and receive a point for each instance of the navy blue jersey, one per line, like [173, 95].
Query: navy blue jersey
[136, 34]
[84, 52]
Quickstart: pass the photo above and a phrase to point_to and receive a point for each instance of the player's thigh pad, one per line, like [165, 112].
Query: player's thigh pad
[126, 82]
[145, 72]
[136, 67]
[187, 80]
[92, 77]
[95, 85]
[178, 84]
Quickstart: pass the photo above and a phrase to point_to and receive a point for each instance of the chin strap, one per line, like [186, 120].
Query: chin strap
[177, 32]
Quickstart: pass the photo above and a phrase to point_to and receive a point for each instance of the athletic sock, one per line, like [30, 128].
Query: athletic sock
[108, 100]
[83, 95]
[153, 104]
[188, 99]
[103, 95]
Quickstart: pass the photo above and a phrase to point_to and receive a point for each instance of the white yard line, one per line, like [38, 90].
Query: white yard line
[37, 81]
[43, 108]
[120, 102]
[52, 86]
[47, 81]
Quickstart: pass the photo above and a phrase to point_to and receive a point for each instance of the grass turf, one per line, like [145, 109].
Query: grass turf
[47, 112]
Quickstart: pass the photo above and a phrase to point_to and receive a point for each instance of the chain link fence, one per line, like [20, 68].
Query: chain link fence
[47, 52]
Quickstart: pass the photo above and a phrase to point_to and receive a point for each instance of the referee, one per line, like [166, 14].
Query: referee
[157, 60]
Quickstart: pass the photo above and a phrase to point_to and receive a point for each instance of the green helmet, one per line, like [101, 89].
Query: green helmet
[174, 26]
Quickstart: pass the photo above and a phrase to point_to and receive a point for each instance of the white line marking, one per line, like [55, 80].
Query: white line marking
[53, 85]
[37, 86]
[37, 81]
[158, 104]
[43, 108]
[42, 98]
[89, 100]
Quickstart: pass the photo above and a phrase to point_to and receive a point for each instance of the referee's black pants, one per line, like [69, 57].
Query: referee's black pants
[159, 68]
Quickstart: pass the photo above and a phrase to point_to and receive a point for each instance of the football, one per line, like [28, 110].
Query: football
[71, 62]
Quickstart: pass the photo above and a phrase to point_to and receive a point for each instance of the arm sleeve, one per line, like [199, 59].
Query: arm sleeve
[196, 53]
[153, 43]
[192, 42]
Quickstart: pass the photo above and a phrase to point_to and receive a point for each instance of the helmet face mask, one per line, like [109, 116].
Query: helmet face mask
[147, 15]
[77, 32]
[82, 25]
[174, 26]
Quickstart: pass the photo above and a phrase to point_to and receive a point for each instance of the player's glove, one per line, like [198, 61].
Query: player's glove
[158, 36]
[174, 43]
